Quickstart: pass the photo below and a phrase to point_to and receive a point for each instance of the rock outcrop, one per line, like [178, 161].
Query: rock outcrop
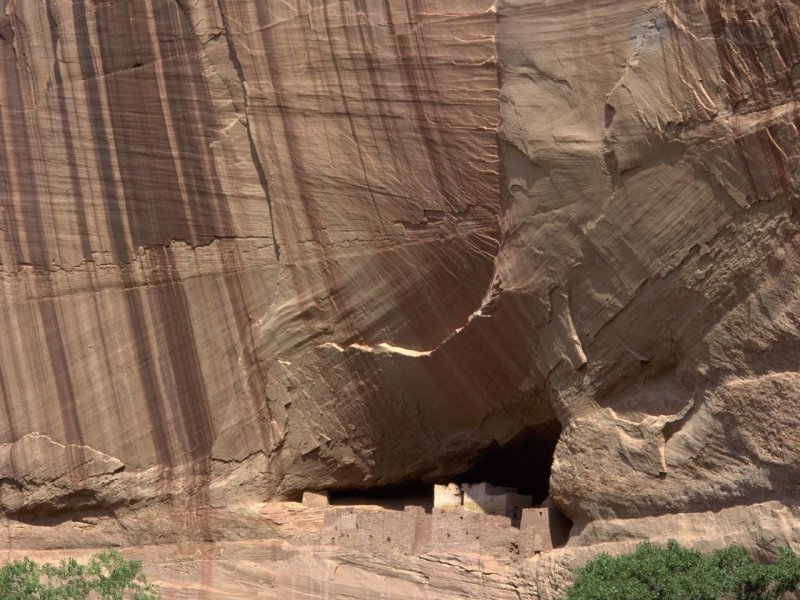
[251, 248]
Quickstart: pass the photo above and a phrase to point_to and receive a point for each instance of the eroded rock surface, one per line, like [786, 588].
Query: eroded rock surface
[252, 248]
[222, 218]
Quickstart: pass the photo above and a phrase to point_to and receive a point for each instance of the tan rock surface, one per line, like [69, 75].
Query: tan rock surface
[210, 206]
[276, 551]
[254, 248]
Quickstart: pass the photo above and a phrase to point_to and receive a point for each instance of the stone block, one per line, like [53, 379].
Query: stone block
[465, 531]
[453, 530]
[541, 530]
[399, 531]
[447, 497]
[316, 499]
[339, 527]
[486, 498]
[423, 525]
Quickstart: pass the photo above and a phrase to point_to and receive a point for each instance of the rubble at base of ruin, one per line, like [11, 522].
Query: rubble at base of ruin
[477, 518]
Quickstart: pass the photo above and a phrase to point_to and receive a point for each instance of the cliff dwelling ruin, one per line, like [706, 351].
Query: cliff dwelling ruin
[477, 518]
[522, 464]
[498, 506]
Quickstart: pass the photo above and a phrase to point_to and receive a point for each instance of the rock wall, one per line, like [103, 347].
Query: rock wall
[251, 248]
[223, 220]
[414, 532]
[652, 177]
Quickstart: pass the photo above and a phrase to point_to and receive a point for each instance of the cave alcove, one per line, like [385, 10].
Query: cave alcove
[522, 463]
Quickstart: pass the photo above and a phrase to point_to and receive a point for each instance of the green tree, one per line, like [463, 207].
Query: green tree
[107, 576]
[674, 573]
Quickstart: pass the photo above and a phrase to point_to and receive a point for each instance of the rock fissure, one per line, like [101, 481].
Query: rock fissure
[256, 159]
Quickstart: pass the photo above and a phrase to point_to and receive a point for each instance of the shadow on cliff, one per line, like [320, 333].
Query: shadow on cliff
[523, 463]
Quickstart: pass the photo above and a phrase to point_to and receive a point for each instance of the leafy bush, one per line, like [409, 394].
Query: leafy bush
[675, 573]
[107, 576]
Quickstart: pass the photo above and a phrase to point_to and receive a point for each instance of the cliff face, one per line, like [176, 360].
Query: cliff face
[223, 219]
[651, 153]
[251, 248]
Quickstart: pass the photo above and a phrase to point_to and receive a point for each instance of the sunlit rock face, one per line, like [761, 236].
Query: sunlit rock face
[651, 153]
[251, 248]
[234, 235]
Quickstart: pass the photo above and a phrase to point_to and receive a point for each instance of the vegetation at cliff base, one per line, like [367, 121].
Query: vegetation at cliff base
[107, 576]
[654, 572]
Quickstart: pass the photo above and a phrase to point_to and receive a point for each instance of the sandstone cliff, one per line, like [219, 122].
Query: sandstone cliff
[251, 248]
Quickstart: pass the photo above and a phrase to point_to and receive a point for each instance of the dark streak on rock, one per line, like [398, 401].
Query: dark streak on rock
[69, 146]
[135, 310]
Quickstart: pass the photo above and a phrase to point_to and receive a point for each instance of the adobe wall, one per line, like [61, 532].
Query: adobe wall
[481, 497]
[448, 496]
[412, 531]
[377, 530]
[467, 531]
[447, 529]
[541, 530]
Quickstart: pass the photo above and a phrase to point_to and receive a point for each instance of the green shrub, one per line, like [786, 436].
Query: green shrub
[675, 573]
[107, 576]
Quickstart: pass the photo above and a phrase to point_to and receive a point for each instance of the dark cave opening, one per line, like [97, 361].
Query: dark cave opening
[523, 463]
[395, 496]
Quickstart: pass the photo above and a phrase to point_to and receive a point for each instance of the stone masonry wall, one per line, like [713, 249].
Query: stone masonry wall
[413, 531]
